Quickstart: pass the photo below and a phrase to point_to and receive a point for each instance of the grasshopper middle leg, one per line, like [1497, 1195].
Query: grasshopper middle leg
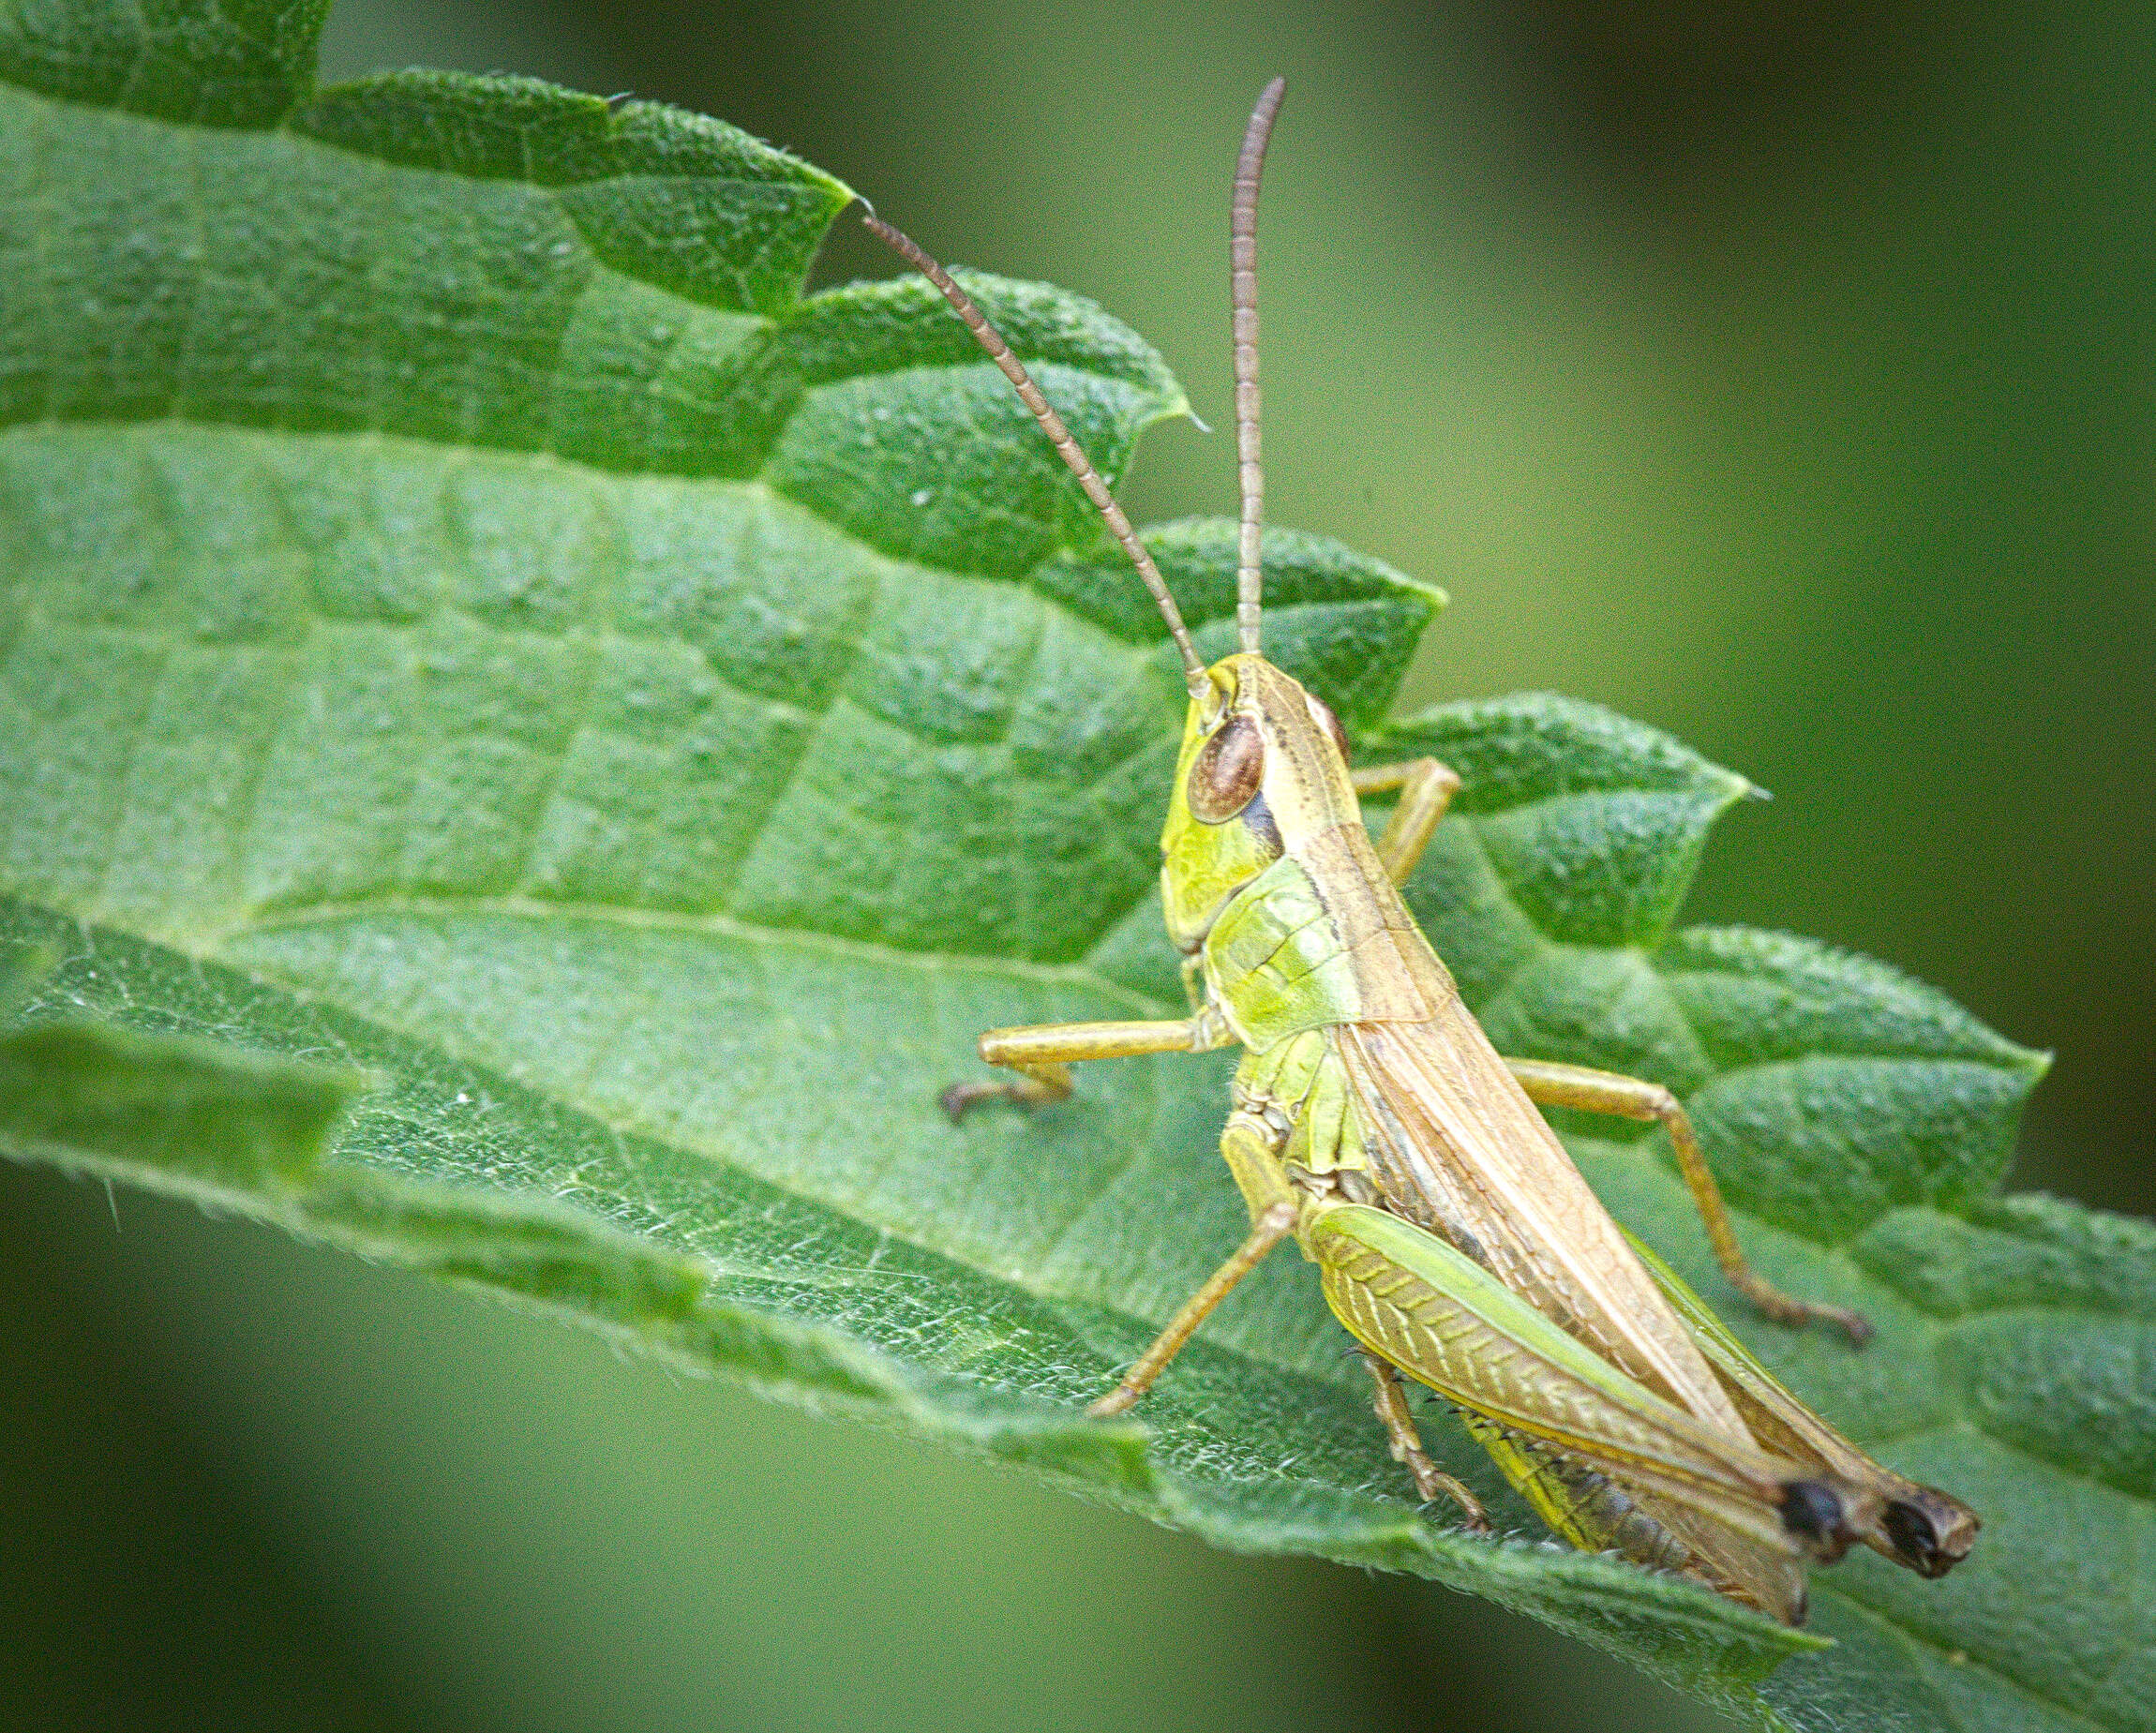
[1432, 1482]
[1631, 1097]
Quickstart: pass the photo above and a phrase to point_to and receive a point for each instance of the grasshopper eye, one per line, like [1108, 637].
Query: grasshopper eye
[1228, 770]
[1321, 713]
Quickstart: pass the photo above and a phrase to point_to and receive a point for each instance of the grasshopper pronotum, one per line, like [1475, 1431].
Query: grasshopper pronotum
[1373, 1123]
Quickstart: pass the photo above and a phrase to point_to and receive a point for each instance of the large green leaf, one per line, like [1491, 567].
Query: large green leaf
[90, 1094]
[468, 617]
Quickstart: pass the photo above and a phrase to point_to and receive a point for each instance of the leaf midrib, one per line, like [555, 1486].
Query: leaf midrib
[1045, 1291]
[208, 944]
[962, 965]
[1081, 975]
[774, 938]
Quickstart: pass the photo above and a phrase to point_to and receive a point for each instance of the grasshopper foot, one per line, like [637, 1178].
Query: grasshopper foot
[1036, 1086]
[1782, 1308]
[959, 1097]
[1029, 1092]
[1433, 1483]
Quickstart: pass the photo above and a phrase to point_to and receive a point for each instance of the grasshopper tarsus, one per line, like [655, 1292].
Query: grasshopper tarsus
[1432, 1482]
[1038, 1086]
[1474, 1519]
[1120, 1400]
[961, 1098]
[1042, 1054]
[1433, 1485]
[1801, 1313]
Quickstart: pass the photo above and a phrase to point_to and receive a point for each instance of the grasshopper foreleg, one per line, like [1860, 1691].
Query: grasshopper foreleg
[1274, 1224]
[1631, 1097]
[1432, 1482]
[1426, 790]
[1044, 1054]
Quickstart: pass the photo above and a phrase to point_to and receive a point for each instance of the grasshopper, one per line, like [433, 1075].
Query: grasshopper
[1372, 1122]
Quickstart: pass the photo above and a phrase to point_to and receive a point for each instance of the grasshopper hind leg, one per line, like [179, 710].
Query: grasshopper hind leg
[1631, 1097]
[1432, 1482]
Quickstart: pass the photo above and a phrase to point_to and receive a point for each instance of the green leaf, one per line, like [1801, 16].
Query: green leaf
[467, 618]
[174, 1109]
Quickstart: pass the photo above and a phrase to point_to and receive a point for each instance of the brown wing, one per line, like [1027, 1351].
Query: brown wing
[1456, 1146]
[1608, 1464]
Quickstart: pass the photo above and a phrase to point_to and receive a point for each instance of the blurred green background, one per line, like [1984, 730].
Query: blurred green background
[1779, 374]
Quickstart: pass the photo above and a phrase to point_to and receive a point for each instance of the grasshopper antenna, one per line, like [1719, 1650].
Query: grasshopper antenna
[1243, 292]
[1066, 447]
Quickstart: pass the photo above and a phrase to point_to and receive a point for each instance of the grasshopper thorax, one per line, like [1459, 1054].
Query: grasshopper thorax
[1262, 772]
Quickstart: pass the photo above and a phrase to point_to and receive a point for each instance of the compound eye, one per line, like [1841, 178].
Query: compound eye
[1322, 713]
[1228, 770]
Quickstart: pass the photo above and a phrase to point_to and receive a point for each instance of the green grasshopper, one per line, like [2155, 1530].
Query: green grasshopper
[1372, 1122]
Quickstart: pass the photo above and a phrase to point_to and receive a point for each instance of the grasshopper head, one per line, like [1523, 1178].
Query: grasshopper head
[1264, 768]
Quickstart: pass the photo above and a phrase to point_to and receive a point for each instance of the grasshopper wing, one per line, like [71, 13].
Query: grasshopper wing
[1454, 1146]
[1592, 1446]
[1921, 1527]
[1594, 1513]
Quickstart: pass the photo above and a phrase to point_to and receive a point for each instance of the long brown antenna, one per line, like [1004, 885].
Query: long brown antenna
[1066, 447]
[1243, 292]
